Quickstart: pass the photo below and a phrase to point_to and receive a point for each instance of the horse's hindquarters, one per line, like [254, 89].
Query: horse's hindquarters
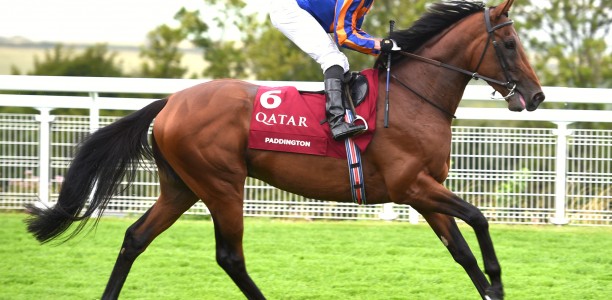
[202, 133]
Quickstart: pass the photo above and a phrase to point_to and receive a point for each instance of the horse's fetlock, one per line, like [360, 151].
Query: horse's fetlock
[493, 270]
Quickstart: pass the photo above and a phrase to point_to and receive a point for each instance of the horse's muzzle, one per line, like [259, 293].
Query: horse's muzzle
[535, 101]
[518, 102]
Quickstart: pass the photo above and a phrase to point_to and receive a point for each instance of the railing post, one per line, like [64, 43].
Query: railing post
[94, 113]
[44, 153]
[94, 124]
[413, 216]
[387, 213]
[561, 173]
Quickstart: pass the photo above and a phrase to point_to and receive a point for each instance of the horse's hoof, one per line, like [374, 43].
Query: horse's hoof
[494, 294]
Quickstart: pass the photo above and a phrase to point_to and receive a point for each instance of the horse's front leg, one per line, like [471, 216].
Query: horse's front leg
[438, 205]
[447, 231]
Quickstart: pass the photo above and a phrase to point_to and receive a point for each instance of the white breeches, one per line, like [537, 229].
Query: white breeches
[306, 33]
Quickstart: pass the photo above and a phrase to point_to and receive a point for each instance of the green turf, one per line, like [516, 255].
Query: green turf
[307, 260]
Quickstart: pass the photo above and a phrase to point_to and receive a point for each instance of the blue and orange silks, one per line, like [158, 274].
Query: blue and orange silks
[343, 18]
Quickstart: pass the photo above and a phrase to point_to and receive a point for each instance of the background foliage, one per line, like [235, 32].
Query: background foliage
[568, 40]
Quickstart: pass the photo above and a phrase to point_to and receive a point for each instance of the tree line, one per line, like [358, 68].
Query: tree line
[567, 39]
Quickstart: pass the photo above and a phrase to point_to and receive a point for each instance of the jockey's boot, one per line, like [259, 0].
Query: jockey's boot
[334, 106]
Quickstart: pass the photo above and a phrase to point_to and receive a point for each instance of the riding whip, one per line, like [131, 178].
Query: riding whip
[391, 25]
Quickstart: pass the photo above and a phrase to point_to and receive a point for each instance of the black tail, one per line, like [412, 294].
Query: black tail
[102, 160]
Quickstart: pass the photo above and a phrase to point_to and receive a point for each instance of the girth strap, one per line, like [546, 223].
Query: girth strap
[353, 156]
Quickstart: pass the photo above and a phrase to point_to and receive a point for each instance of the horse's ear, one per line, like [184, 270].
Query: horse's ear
[505, 8]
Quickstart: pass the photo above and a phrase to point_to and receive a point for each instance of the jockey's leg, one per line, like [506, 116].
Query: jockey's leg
[334, 105]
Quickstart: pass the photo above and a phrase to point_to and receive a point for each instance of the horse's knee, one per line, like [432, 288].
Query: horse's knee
[478, 221]
[460, 254]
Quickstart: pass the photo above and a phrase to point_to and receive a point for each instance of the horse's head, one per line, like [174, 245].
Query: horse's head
[503, 59]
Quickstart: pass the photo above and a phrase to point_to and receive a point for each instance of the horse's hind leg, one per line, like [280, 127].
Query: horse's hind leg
[173, 201]
[223, 195]
[219, 181]
[229, 228]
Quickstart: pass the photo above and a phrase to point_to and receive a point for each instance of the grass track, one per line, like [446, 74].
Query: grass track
[307, 260]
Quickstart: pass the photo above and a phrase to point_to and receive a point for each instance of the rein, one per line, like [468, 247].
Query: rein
[509, 83]
[423, 97]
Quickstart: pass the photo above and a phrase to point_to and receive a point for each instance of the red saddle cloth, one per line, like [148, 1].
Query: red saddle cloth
[289, 121]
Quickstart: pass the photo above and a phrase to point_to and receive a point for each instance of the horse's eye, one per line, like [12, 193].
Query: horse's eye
[510, 44]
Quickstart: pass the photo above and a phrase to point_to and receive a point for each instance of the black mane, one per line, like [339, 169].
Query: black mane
[438, 17]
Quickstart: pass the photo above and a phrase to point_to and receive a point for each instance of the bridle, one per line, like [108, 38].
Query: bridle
[509, 83]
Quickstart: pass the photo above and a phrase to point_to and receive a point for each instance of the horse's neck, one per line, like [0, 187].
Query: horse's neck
[443, 86]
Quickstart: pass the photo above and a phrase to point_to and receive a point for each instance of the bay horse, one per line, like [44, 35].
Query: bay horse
[199, 144]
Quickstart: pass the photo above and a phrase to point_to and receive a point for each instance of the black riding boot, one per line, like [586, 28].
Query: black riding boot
[335, 109]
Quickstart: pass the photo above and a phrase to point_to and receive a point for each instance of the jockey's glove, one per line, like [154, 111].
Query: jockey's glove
[389, 45]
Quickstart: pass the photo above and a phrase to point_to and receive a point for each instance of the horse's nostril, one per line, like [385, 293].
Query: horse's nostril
[539, 97]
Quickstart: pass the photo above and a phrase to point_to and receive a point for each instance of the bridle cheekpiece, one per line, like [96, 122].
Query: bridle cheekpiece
[509, 84]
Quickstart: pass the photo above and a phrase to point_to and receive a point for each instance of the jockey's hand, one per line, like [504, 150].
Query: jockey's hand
[389, 45]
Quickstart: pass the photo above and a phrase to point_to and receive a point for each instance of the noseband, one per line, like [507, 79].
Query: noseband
[509, 83]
